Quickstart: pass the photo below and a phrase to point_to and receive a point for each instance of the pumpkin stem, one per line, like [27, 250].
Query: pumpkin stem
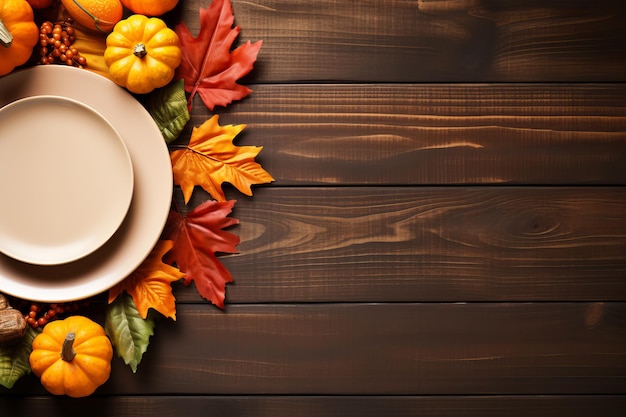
[140, 50]
[6, 39]
[67, 351]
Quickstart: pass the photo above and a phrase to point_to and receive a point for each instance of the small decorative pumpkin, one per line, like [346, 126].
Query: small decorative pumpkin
[142, 53]
[18, 34]
[150, 7]
[96, 15]
[72, 356]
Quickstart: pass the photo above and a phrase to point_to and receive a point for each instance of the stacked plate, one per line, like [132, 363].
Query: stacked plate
[85, 184]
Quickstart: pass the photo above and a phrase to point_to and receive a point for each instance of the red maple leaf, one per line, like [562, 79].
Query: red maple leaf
[197, 237]
[208, 67]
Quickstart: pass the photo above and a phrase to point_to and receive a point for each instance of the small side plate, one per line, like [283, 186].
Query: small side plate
[66, 180]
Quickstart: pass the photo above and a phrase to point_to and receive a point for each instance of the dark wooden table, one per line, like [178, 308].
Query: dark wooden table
[446, 235]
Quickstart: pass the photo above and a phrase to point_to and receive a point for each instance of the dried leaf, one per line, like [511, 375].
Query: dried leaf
[197, 238]
[210, 159]
[128, 331]
[150, 284]
[208, 66]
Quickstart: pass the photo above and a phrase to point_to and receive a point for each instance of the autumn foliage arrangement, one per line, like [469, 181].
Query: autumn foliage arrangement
[206, 66]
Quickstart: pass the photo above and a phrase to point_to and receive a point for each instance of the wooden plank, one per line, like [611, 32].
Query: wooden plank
[434, 134]
[388, 349]
[381, 349]
[302, 406]
[351, 244]
[431, 40]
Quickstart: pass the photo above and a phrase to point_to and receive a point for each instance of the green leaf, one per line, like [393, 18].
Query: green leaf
[14, 362]
[168, 107]
[129, 333]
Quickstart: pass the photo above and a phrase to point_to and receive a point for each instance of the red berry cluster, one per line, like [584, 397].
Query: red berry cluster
[40, 314]
[56, 44]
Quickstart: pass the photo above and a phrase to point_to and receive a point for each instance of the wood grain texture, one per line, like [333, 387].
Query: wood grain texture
[446, 235]
[381, 349]
[351, 244]
[435, 134]
[309, 406]
[432, 40]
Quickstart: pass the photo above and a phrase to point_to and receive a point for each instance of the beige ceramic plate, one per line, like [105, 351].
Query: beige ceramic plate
[65, 191]
[152, 194]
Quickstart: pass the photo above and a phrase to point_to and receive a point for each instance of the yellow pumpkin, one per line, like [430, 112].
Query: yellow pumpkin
[142, 53]
[150, 7]
[72, 356]
[18, 34]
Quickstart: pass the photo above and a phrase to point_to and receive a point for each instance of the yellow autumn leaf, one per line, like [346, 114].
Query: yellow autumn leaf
[150, 284]
[210, 159]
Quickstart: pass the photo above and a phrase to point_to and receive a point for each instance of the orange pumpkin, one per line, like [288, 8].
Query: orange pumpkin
[97, 15]
[18, 34]
[72, 356]
[150, 7]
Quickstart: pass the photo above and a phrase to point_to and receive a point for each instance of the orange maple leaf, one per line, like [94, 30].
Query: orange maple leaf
[150, 284]
[210, 159]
